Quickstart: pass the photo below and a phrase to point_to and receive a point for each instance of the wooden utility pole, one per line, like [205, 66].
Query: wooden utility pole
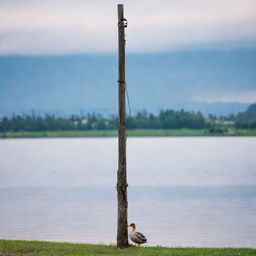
[122, 232]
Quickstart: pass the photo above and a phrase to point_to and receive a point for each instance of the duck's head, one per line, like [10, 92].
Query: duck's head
[133, 226]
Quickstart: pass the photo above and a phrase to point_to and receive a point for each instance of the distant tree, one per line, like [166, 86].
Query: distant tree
[246, 120]
[252, 125]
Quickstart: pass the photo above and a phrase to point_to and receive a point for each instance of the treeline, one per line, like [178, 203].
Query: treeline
[243, 120]
[166, 119]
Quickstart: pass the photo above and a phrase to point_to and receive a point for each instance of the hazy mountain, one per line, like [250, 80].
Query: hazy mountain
[67, 84]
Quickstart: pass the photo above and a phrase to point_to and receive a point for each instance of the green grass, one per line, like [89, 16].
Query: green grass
[58, 134]
[131, 133]
[10, 248]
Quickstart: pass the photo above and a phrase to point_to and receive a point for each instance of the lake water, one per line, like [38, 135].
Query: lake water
[182, 191]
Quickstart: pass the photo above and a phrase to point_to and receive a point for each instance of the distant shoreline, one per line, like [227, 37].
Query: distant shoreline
[130, 133]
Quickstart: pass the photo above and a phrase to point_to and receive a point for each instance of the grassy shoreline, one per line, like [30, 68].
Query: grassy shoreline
[40, 248]
[131, 133]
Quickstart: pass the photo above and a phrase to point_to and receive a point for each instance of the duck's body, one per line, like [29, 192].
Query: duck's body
[137, 237]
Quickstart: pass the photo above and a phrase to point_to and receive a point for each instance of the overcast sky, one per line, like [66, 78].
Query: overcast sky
[35, 27]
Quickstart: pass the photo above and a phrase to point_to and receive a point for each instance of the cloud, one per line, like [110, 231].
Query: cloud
[83, 26]
[243, 97]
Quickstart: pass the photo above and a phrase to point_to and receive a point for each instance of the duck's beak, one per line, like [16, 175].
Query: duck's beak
[128, 225]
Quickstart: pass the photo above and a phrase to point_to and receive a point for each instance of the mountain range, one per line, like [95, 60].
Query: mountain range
[67, 84]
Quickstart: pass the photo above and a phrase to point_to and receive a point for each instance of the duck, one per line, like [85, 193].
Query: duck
[135, 236]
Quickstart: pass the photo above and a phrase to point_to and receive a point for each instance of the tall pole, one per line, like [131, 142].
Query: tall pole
[122, 233]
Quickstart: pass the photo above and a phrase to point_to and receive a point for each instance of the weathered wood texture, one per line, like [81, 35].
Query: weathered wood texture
[122, 232]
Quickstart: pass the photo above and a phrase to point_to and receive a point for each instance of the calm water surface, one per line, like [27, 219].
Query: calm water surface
[183, 191]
